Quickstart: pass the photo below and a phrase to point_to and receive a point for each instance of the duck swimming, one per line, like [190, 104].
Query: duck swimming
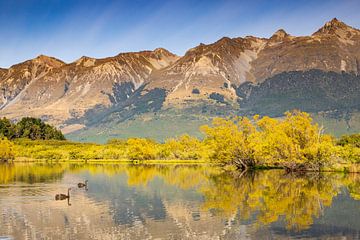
[62, 196]
[81, 185]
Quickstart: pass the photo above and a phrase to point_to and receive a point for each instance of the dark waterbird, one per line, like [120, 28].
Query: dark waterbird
[62, 196]
[82, 185]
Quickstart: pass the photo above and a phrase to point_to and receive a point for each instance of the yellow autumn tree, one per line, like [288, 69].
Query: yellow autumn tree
[293, 142]
[6, 150]
[229, 141]
[184, 147]
[141, 149]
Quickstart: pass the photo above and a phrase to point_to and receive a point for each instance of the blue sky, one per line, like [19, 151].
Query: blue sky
[69, 29]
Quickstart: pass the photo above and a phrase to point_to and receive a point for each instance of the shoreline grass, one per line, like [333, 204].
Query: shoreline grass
[341, 167]
[127, 161]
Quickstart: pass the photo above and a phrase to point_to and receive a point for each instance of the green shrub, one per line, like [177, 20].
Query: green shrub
[353, 140]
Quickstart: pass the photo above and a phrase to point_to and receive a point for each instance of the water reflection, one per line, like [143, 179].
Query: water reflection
[30, 173]
[174, 202]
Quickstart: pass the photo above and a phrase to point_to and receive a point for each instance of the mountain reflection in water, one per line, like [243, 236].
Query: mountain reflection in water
[175, 202]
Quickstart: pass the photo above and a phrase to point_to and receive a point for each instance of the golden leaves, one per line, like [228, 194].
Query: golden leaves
[6, 150]
[292, 142]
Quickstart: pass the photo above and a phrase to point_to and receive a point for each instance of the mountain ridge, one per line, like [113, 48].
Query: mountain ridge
[130, 84]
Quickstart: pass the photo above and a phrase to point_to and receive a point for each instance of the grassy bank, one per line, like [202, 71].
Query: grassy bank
[339, 167]
[111, 161]
[183, 150]
[120, 152]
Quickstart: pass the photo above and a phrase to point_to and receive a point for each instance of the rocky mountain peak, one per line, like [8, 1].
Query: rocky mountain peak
[336, 27]
[50, 61]
[279, 35]
[85, 61]
[162, 51]
[224, 40]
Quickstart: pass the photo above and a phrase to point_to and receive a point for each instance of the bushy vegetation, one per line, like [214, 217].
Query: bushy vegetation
[6, 150]
[217, 97]
[141, 149]
[353, 140]
[183, 148]
[350, 147]
[31, 128]
[293, 143]
[195, 91]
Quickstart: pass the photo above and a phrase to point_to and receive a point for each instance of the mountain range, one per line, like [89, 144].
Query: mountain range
[159, 94]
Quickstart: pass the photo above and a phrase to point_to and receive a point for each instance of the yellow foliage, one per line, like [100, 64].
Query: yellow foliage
[349, 153]
[6, 150]
[293, 142]
[141, 149]
[229, 140]
[185, 147]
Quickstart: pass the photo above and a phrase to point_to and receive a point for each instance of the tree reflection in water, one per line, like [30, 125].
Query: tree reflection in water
[263, 197]
[270, 196]
[31, 173]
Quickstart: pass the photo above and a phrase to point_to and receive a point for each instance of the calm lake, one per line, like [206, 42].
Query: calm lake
[175, 202]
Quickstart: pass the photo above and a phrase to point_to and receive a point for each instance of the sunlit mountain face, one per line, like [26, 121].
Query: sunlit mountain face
[142, 93]
[176, 201]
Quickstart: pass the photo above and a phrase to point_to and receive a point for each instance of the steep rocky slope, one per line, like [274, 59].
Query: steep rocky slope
[334, 47]
[15, 79]
[209, 68]
[69, 90]
[229, 62]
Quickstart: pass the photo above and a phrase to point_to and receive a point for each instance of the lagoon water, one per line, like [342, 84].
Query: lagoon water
[175, 202]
